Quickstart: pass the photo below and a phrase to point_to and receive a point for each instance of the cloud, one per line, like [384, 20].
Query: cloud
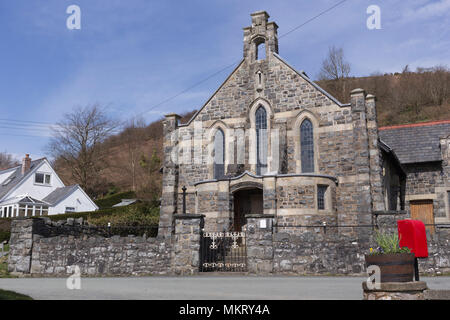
[426, 11]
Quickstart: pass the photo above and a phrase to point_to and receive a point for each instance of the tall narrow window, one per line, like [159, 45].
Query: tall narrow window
[448, 200]
[321, 190]
[307, 146]
[261, 143]
[219, 154]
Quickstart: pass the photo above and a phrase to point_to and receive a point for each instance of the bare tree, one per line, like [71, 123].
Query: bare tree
[132, 141]
[77, 143]
[335, 70]
[7, 161]
[334, 66]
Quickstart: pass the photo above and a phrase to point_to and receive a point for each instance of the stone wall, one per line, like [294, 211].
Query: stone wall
[96, 255]
[426, 181]
[41, 247]
[323, 250]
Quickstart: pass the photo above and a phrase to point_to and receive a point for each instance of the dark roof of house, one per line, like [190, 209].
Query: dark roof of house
[16, 177]
[59, 194]
[415, 143]
[393, 156]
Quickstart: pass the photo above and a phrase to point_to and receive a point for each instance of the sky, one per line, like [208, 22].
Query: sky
[146, 58]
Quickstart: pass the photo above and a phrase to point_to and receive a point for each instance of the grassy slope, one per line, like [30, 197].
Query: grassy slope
[11, 295]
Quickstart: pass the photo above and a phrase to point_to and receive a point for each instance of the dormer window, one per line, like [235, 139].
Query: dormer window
[42, 178]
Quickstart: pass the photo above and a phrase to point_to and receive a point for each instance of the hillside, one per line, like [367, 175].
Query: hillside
[402, 98]
[132, 159]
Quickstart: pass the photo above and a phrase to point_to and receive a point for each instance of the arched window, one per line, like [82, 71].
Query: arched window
[219, 154]
[261, 143]
[307, 146]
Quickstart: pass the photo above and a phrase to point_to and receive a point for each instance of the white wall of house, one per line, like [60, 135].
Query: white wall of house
[77, 200]
[38, 191]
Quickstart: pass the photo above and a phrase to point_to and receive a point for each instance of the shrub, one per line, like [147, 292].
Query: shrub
[109, 201]
[4, 236]
[135, 219]
[388, 243]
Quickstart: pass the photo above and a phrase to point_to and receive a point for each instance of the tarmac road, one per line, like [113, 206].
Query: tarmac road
[201, 287]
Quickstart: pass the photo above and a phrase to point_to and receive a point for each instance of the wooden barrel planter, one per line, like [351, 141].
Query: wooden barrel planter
[395, 267]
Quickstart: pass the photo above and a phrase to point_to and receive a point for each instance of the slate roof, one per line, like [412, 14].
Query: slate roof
[416, 143]
[59, 194]
[16, 176]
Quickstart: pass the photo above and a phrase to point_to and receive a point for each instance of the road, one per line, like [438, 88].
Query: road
[200, 287]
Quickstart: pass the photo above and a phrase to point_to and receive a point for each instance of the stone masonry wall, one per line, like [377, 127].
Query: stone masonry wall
[270, 249]
[40, 246]
[322, 250]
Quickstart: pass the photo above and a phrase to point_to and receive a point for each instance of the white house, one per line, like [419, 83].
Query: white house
[34, 189]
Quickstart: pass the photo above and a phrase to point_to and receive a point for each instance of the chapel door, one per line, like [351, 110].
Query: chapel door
[423, 210]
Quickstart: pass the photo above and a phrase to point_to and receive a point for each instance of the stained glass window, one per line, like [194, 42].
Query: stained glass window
[307, 146]
[219, 154]
[261, 136]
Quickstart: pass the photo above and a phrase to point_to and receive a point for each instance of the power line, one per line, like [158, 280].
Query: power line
[311, 19]
[39, 123]
[27, 121]
[221, 70]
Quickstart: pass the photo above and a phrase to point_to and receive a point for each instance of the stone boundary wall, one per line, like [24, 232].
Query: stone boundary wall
[324, 251]
[39, 246]
[96, 255]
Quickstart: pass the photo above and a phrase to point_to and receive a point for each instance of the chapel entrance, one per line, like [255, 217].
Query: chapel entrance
[246, 201]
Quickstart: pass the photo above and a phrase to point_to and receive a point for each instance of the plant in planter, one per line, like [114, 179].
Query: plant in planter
[396, 264]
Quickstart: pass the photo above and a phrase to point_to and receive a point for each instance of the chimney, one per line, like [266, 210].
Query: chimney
[26, 164]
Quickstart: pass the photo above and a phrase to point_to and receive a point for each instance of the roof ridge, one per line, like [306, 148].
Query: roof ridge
[412, 125]
[19, 165]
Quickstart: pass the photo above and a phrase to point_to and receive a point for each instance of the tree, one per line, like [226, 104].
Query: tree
[132, 141]
[7, 161]
[334, 66]
[77, 142]
[151, 166]
[335, 70]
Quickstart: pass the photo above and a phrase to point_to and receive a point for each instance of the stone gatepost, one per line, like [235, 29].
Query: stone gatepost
[21, 245]
[170, 175]
[186, 243]
[259, 239]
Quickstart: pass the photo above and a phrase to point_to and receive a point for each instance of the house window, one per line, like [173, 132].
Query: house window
[307, 146]
[261, 143]
[321, 190]
[219, 154]
[70, 209]
[42, 178]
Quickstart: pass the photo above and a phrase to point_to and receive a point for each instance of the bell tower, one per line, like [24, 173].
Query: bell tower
[261, 38]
